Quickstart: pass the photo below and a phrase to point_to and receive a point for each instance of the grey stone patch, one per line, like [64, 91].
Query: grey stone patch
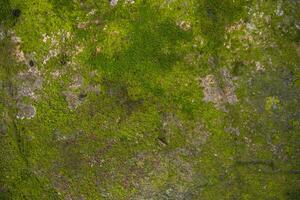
[15, 39]
[259, 66]
[113, 3]
[29, 82]
[57, 74]
[25, 111]
[55, 42]
[25, 91]
[212, 92]
[72, 99]
[18, 53]
[17, 50]
[217, 94]
[77, 91]
[52, 54]
[229, 89]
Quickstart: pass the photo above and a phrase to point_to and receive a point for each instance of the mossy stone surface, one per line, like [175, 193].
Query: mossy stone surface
[156, 99]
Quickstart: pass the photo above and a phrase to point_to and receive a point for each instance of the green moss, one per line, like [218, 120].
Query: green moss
[141, 128]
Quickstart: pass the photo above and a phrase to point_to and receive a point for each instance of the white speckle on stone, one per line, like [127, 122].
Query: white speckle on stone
[19, 54]
[56, 74]
[78, 49]
[250, 26]
[259, 66]
[184, 25]
[2, 34]
[129, 1]
[52, 53]
[113, 2]
[279, 11]
[45, 37]
[92, 12]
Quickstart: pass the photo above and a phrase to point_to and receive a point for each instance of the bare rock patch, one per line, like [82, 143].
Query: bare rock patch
[26, 111]
[219, 92]
[29, 83]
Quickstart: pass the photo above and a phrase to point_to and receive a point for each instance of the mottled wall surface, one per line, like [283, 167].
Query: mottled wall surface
[156, 99]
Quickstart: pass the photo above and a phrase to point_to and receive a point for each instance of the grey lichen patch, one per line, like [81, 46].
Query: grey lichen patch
[87, 24]
[217, 93]
[77, 82]
[57, 74]
[72, 99]
[212, 92]
[78, 90]
[18, 53]
[25, 111]
[72, 95]
[229, 88]
[113, 2]
[55, 43]
[184, 25]
[29, 82]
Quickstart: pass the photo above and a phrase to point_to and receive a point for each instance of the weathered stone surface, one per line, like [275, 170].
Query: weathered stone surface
[113, 2]
[216, 93]
[26, 111]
